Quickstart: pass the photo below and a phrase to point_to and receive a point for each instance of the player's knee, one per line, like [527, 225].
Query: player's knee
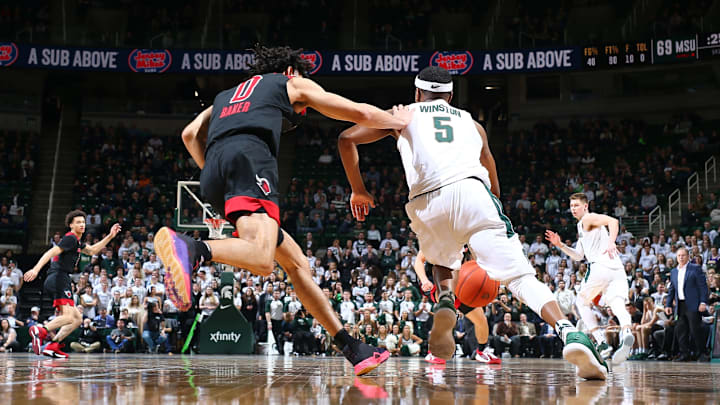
[265, 267]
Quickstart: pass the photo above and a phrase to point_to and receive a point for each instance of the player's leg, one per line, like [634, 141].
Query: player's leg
[442, 246]
[71, 319]
[253, 248]
[58, 285]
[295, 263]
[364, 358]
[615, 294]
[501, 255]
[482, 332]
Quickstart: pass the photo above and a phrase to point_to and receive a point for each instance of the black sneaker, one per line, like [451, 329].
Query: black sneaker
[364, 357]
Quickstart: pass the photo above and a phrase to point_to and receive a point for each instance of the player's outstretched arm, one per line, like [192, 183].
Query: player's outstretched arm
[360, 200]
[194, 136]
[306, 93]
[31, 274]
[488, 161]
[574, 254]
[92, 250]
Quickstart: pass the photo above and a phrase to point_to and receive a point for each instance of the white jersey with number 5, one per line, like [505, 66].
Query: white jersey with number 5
[440, 146]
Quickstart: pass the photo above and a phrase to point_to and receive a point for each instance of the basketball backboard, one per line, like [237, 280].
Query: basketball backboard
[192, 212]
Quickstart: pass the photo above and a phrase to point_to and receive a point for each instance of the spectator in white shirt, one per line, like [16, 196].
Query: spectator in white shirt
[552, 263]
[392, 241]
[539, 249]
[620, 210]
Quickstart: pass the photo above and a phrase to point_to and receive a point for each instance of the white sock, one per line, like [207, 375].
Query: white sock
[563, 327]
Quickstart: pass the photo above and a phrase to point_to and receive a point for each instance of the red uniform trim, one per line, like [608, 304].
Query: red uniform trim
[251, 204]
[71, 233]
[63, 301]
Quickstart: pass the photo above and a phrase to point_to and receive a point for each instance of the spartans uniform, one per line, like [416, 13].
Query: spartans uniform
[58, 282]
[450, 200]
[604, 276]
[241, 174]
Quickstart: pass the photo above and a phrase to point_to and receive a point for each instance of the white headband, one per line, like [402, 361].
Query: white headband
[433, 86]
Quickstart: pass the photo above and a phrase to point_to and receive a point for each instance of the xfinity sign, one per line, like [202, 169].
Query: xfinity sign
[218, 337]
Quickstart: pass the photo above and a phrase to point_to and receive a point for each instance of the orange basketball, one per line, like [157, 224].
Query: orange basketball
[474, 287]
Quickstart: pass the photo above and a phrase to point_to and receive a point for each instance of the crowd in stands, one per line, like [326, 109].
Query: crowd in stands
[25, 20]
[366, 268]
[675, 19]
[17, 151]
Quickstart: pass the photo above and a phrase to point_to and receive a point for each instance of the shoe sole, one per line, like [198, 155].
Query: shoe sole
[622, 353]
[371, 364]
[176, 264]
[442, 343]
[583, 358]
[54, 354]
[36, 343]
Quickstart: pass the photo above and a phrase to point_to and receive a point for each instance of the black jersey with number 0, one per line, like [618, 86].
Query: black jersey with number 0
[68, 259]
[255, 107]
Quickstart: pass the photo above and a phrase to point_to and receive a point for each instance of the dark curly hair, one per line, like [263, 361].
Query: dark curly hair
[277, 59]
[72, 215]
[435, 74]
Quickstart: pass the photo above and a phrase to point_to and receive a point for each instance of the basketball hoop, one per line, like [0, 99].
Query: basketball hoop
[215, 227]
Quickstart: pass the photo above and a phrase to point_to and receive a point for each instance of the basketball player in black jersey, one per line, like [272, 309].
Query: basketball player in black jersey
[236, 142]
[64, 256]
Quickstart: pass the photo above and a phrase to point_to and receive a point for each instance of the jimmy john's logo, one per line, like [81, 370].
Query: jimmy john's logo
[316, 60]
[149, 60]
[457, 63]
[8, 53]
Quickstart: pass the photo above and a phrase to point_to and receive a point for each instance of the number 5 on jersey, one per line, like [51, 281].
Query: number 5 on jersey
[445, 132]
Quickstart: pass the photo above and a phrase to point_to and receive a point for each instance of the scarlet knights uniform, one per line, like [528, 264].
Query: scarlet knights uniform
[241, 173]
[58, 281]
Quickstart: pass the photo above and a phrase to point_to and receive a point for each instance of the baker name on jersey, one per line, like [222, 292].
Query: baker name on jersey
[439, 108]
[235, 108]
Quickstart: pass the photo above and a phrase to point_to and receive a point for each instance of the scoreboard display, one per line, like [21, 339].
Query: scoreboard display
[658, 51]
[709, 46]
[616, 55]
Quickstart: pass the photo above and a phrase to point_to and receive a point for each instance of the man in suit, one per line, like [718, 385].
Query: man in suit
[688, 295]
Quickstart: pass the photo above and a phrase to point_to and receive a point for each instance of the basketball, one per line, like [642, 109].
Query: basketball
[474, 287]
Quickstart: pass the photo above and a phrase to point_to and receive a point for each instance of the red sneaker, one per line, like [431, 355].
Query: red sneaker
[38, 335]
[434, 360]
[53, 350]
[486, 357]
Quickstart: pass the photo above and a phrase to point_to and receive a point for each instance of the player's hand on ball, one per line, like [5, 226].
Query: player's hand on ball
[115, 230]
[360, 203]
[553, 237]
[426, 285]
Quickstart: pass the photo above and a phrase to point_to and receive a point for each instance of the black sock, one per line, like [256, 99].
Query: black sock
[481, 346]
[342, 339]
[204, 250]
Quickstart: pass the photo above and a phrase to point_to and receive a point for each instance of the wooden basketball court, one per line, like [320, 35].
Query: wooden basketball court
[162, 379]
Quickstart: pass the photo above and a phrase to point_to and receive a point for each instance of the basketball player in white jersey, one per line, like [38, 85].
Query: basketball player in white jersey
[605, 274]
[453, 185]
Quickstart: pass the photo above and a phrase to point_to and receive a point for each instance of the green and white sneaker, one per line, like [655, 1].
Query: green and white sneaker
[605, 350]
[580, 351]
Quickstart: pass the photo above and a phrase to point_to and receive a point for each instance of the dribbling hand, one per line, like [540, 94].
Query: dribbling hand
[360, 203]
[426, 285]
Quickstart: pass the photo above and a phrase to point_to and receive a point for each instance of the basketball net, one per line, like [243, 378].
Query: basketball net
[215, 227]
